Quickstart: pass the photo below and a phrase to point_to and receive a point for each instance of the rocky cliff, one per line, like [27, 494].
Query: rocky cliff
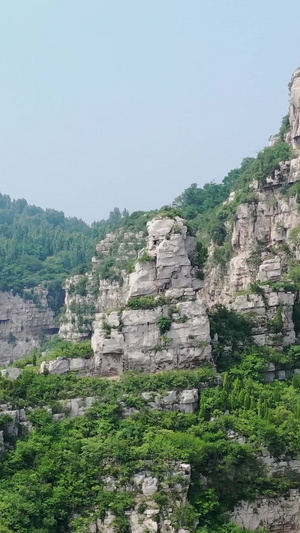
[262, 236]
[151, 319]
[278, 515]
[23, 324]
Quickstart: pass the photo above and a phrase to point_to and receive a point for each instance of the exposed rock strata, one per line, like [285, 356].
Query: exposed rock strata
[278, 515]
[21, 324]
[294, 111]
[125, 338]
[263, 238]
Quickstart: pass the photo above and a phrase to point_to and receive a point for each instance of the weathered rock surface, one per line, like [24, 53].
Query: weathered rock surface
[273, 312]
[185, 401]
[263, 245]
[262, 235]
[98, 294]
[11, 373]
[126, 338]
[294, 111]
[17, 424]
[261, 238]
[280, 514]
[64, 365]
[21, 323]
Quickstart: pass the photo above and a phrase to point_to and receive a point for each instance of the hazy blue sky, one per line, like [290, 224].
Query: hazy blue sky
[125, 103]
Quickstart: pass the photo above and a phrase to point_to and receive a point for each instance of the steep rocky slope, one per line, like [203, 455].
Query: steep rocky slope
[153, 318]
[23, 324]
[262, 236]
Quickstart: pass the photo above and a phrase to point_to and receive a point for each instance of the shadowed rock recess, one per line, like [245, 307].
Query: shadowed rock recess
[170, 400]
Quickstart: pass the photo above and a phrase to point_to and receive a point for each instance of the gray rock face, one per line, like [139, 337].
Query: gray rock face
[185, 401]
[275, 514]
[18, 424]
[64, 366]
[21, 323]
[11, 373]
[294, 112]
[263, 244]
[267, 224]
[141, 346]
[129, 339]
[269, 309]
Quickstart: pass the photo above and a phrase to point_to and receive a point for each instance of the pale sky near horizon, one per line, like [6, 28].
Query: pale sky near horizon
[125, 103]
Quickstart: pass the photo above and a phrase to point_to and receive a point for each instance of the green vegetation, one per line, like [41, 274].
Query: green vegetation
[164, 323]
[233, 333]
[44, 247]
[145, 258]
[54, 348]
[208, 210]
[80, 288]
[147, 302]
[222, 254]
[57, 471]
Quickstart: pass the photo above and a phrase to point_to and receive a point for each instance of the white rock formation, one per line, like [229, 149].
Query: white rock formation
[129, 338]
[294, 112]
[280, 514]
[21, 323]
[11, 373]
[185, 401]
[65, 365]
[269, 309]
[263, 243]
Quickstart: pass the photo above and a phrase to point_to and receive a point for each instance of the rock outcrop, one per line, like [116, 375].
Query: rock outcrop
[294, 112]
[278, 515]
[22, 323]
[153, 319]
[263, 241]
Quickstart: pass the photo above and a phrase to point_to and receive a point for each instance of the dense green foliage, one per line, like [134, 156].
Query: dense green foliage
[43, 246]
[55, 348]
[57, 469]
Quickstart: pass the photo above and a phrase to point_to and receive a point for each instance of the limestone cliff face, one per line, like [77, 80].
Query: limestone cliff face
[261, 236]
[21, 323]
[294, 112]
[280, 514]
[88, 294]
[263, 239]
[154, 318]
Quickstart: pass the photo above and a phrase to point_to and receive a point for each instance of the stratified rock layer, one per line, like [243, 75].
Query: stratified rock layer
[21, 324]
[278, 515]
[163, 287]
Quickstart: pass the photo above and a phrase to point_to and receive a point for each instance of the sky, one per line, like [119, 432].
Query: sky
[125, 103]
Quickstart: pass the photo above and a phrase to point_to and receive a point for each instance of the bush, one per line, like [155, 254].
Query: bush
[222, 254]
[234, 334]
[145, 258]
[147, 302]
[164, 323]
